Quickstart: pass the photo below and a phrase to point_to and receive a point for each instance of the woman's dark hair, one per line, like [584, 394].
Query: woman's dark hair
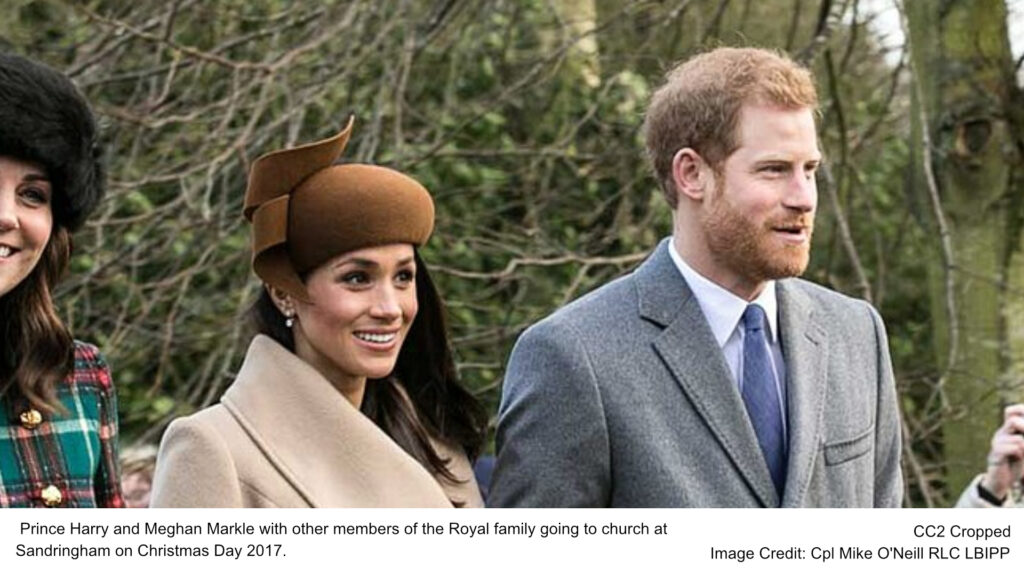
[45, 120]
[441, 407]
[38, 351]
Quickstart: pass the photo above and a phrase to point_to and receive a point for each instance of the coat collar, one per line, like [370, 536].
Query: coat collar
[331, 453]
[666, 300]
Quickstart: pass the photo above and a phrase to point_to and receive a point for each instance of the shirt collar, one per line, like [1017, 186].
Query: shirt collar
[723, 309]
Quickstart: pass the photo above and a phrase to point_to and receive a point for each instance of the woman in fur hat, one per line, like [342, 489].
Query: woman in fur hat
[348, 394]
[59, 431]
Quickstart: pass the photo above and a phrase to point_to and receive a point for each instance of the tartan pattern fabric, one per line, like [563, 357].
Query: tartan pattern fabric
[76, 451]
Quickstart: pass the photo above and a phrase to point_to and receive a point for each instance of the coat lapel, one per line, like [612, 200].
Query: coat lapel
[690, 352]
[805, 349]
[331, 453]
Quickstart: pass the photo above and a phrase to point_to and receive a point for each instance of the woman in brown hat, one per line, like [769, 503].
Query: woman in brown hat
[348, 394]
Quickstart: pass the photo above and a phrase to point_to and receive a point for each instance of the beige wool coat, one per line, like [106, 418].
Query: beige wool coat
[283, 436]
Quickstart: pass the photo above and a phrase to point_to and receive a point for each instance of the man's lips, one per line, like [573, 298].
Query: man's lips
[795, 233]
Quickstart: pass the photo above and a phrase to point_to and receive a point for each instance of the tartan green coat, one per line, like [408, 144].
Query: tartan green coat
[63, 460]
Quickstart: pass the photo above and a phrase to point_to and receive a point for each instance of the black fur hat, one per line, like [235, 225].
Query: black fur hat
[44, 119]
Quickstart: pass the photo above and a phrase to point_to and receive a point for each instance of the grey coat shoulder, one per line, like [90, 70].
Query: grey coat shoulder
[600, 309]
[830, 302]
[614, 303]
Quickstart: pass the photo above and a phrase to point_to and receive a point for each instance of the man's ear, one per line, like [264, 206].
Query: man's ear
[691, 174]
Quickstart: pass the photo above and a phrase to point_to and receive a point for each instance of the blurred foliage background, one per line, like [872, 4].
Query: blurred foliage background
[523, 118]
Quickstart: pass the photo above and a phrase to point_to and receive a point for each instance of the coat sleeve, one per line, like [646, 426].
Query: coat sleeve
[465, 492]
[194, 469]
[888, 432]
[108, 475]
[970, 498]
[552, 437]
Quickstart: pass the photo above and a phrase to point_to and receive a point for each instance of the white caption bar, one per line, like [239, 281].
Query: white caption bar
[522, 542]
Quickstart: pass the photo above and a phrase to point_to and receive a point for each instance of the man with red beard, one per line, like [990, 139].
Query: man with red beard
[709, 376]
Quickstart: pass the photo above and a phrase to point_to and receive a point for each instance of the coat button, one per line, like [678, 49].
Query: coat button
[31, 418]
[51, 496]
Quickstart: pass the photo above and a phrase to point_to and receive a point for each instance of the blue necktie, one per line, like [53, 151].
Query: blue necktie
[760, 395]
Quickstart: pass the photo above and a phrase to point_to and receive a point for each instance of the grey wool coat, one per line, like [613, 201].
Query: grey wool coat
[283, 436]
[623, 398]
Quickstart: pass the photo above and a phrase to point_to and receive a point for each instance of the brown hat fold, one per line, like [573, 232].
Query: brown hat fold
[304, 210]
[278, 173]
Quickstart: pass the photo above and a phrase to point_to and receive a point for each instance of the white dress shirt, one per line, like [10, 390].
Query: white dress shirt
[724, 313]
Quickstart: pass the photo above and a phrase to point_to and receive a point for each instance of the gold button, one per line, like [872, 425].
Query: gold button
[31, 418]
[51, 496]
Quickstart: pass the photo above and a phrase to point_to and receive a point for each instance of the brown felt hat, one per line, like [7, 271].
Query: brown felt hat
[305, 210]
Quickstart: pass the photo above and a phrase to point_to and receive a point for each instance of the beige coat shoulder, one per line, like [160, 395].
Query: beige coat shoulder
[283, 437]
[206, 461]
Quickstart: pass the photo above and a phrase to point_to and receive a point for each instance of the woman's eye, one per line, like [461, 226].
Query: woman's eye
[35, 196]
[405, 276]
[355, 278]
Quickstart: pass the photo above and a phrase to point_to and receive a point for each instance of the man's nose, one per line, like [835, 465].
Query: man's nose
[802, 193]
